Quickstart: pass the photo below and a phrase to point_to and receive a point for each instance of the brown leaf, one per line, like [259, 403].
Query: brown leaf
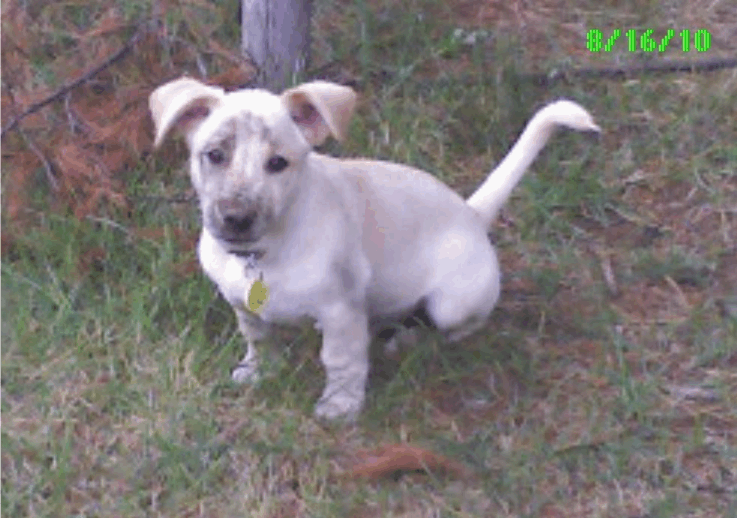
[393, 459]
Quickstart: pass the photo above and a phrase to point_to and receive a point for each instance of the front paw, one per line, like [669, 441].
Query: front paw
[339, 405]
[247, 372]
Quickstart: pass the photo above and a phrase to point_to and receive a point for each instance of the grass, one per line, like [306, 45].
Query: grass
[580, 398]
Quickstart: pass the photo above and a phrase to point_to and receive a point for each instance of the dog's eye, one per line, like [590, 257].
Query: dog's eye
[276, 164]
[216, 156]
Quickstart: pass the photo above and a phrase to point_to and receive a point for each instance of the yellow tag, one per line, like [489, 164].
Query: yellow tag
[256, 295]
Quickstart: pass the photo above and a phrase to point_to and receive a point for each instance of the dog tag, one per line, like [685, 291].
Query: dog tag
[256, 295]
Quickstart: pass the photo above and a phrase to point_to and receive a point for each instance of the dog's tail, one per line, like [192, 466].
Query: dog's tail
[494, 192]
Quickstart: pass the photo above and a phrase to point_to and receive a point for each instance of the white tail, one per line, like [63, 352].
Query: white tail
[494, 192]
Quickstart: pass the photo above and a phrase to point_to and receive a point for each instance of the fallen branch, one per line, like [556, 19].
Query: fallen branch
[565, 74]
[61, 92]
[659, 67]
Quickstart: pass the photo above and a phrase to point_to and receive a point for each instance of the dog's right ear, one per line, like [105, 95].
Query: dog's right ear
[183, 103]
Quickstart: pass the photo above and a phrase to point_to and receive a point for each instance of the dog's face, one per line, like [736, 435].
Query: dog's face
[248, 149]
[245, 163]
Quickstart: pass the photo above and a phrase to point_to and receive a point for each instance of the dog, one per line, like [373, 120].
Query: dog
[352, 244]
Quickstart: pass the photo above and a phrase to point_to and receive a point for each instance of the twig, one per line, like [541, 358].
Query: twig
[112, 224]
[74, 124]
[680, 296]
[605, 261]
[50, 175]
[125, 49]
[200, 62]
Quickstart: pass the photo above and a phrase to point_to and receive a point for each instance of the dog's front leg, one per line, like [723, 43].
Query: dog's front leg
[345, 357]
[253, 330]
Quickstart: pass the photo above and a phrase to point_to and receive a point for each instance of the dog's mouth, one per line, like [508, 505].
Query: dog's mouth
[252, 254]
[232, 237]
[239, 245]
[238, 241]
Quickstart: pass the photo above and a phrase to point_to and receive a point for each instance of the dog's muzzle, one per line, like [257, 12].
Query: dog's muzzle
[237, 220]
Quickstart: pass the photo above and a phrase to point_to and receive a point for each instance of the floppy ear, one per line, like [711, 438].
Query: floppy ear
[320, 109]
[183, 103]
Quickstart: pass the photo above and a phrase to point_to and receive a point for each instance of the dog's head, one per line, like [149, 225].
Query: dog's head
[248, 149]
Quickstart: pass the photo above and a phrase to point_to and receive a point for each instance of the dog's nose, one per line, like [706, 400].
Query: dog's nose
[236, 217]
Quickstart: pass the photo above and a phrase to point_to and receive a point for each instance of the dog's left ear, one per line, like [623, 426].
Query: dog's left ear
[182, 103]
[321, 109]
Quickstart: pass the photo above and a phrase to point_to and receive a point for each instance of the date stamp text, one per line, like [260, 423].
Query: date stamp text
[699, 40]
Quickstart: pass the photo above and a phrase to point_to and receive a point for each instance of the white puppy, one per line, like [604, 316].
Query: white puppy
[353, 244]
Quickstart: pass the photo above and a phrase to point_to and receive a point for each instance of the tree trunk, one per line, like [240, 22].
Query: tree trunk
[276, 36]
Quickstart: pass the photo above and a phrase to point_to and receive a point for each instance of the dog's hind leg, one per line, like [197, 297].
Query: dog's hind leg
[462, 301]
[454, 318]
[406, 334]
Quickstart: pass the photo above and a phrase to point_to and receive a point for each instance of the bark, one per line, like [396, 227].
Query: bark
[276, 36]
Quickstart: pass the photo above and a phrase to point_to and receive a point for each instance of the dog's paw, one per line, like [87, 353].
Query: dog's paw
[339, 406]
[246, 372]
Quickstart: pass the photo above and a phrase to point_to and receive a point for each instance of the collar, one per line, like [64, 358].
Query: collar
[251, 256]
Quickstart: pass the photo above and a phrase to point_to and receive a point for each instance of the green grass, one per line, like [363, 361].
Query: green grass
[573, 401]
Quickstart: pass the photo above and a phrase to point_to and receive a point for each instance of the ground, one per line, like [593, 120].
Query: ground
[604, 385]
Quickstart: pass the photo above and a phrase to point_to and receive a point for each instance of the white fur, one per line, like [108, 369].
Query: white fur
[352, 244]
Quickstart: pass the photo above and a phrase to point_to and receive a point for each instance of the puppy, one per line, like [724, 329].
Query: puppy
[352, 244]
